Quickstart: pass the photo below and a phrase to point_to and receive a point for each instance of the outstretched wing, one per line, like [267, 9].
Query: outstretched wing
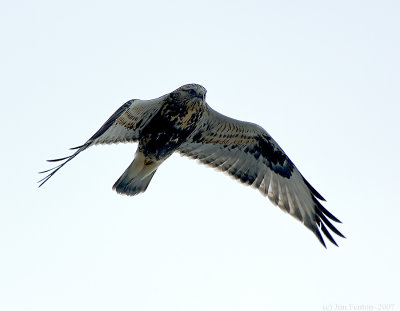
[248, 153]
[123, 126]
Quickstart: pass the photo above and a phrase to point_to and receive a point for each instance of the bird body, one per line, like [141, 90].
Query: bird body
[164, 133]
[182, 121]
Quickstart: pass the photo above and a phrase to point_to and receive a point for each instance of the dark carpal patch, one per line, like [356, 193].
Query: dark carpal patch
[275, 159]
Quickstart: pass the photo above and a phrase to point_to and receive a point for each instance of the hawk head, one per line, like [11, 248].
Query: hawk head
[190, 93]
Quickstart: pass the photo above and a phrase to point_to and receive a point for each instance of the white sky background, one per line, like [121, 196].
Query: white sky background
[322, 77]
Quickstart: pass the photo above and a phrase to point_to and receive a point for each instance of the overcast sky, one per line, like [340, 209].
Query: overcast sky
[322, 77]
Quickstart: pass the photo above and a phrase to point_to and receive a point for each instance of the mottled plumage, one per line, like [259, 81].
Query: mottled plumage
[183, 122]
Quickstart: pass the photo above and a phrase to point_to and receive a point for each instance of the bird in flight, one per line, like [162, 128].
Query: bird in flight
[183, 122]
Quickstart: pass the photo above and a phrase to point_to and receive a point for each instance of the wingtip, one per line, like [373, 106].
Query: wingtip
[327, 234]
[313, 191]
[74, 148]
[320, 207]
[57, 160]
[319, 237]
[53, 170]
[42, 181]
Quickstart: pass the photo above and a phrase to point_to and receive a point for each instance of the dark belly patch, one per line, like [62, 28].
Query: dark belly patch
[168, 130]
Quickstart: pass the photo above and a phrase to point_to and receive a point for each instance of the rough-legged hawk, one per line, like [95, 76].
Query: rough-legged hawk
[182, 121]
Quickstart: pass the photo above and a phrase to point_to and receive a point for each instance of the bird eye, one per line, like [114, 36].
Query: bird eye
[192, 92]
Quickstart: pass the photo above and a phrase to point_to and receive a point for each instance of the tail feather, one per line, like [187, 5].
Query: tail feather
[137, 176]
[132, 185]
